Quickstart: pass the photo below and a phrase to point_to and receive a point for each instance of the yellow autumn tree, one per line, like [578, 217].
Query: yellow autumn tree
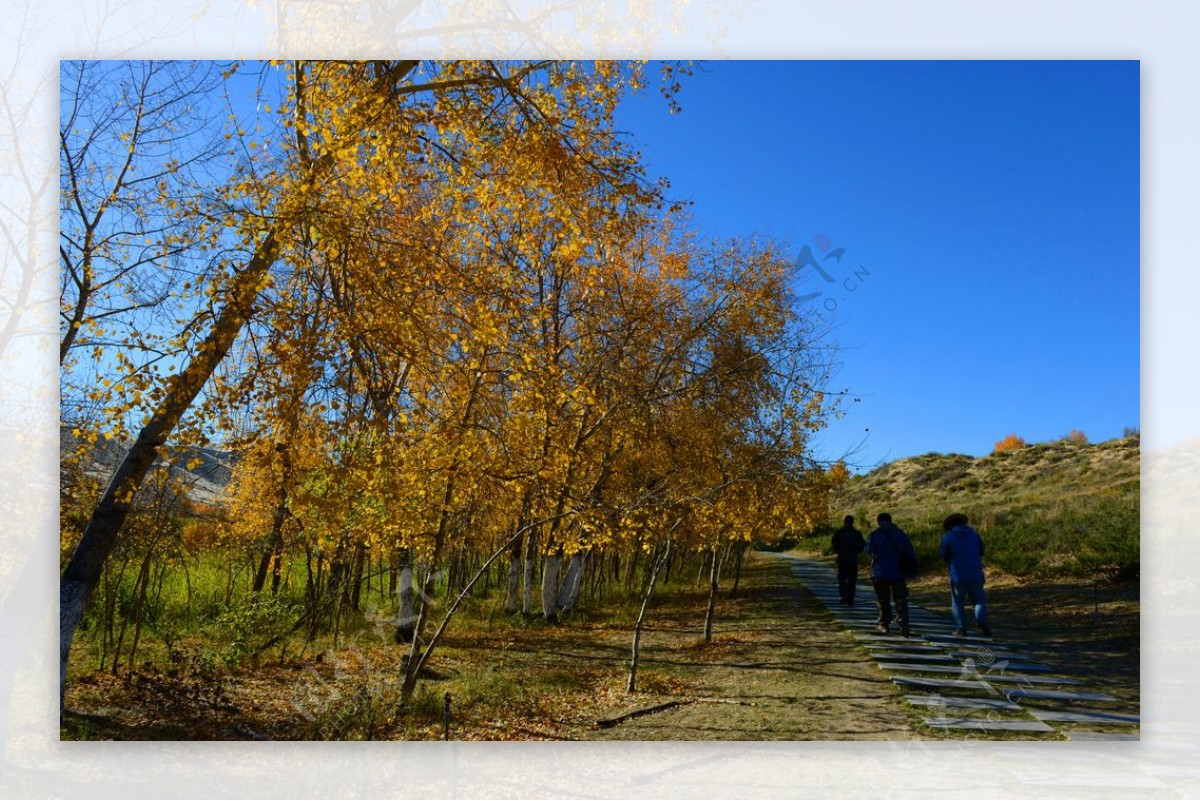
[451, 319]
[460, 150]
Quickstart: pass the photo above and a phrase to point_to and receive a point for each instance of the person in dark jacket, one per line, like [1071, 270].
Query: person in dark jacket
[847, 543]
[962, 549]
[893, 558]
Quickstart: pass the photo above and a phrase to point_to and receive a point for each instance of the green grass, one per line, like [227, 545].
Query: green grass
[204, 609]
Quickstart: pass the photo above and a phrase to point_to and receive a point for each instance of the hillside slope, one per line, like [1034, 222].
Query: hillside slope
[1051, 508]
[202, 473]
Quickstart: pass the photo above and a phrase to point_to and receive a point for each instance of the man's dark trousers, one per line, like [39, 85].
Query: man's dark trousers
[847, 580]
[887, 591]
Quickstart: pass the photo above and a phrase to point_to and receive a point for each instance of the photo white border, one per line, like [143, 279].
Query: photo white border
[34, 36]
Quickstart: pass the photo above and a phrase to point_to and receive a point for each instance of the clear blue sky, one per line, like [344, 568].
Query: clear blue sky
[994, 205]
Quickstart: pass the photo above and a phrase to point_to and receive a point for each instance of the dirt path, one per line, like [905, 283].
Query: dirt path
[779, 669]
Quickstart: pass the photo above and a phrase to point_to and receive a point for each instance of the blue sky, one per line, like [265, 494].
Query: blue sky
[994, 207]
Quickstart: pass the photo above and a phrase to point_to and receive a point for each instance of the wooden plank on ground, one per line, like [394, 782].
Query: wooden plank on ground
[981, 653]
[983, 724]
[1057, 695]
[1023, 667]
[1021, 678]
[881, 655]
[923, 668]
[955, 701]
[915, 681]
[903, 648]
[1099, 735]
[885, 638]
[1082, 716]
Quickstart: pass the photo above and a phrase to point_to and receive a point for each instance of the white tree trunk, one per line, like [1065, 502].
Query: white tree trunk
[406, 619]
[569, 593]
[550, 570]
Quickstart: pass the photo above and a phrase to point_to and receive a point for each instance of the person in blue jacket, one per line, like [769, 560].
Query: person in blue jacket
[962, 549]
[893, 560]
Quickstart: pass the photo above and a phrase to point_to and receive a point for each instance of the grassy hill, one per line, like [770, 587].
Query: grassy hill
[1055, 508]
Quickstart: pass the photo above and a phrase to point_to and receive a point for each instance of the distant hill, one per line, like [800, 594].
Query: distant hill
[1053, 507]
[203, 482]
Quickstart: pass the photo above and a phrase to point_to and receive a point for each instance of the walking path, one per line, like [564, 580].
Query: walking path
[971, 683]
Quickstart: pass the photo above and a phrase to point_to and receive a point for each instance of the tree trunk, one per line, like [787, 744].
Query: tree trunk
[83, 568]
[737, 569]
[512, 603]
[530, 561]
[319, 591]
[310, 583]
[631, 570]
[264, 566]
[550, 567]
[641, 620]
[139, 613]
[337, 574]
[416, 657]
[416, 663]
[405, 619]
[714, 576]
[111, 587]
[274, 545]
[356, 576]
[449, 572]
[277, 569]
[139, 589]
[591, 569]
[82, 572]
[572, 580]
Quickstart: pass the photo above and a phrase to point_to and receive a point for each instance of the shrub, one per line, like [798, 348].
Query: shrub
[1077, 436]
[253, 620]
[1010, 443]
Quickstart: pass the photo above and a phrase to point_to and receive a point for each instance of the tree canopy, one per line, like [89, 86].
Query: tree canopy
[436, 308]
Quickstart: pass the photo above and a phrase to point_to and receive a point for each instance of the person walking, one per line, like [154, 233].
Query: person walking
[962, 549]
[893, 562]
[847, 543]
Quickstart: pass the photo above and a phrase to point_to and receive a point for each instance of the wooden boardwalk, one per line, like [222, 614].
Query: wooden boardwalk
[970, 683]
